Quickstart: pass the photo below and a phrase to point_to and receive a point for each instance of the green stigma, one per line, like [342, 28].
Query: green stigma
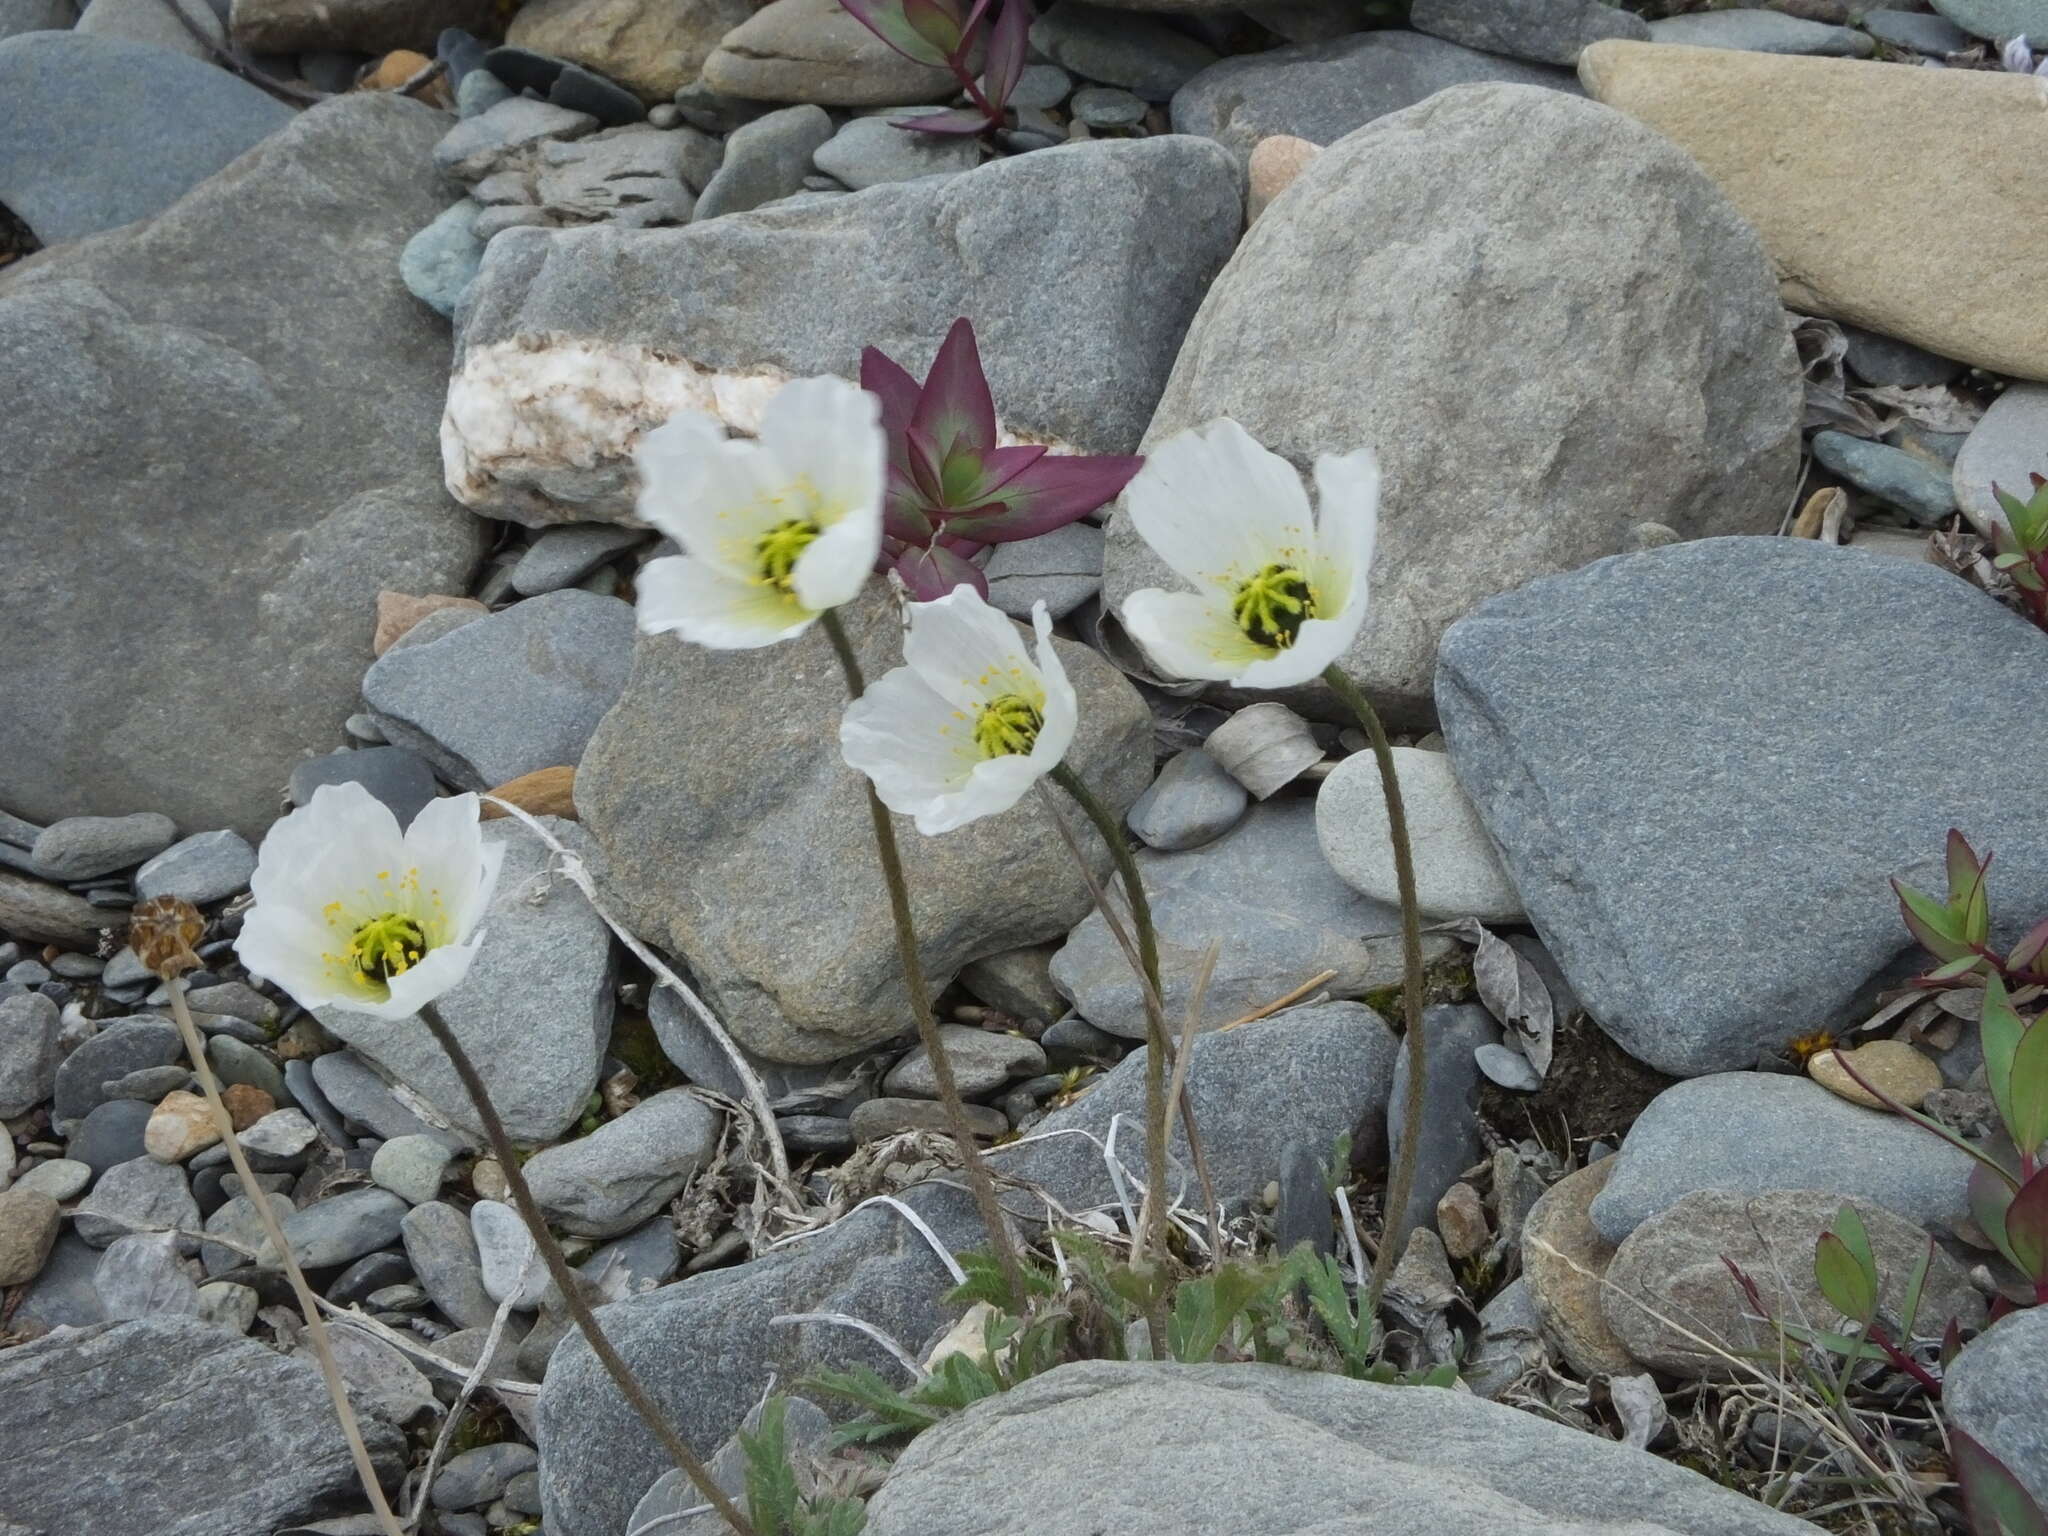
[1007, 726]
[1273, 605]
[779, 548]
[387, 946]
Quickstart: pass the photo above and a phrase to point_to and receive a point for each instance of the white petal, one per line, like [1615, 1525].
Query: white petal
[827, 434]
[912, 742]
[440, 972]
[969, 652]
[996, 784]
[1318, 643]
[836, 565]
[286, 947]
[1217, 507]
[343, 820]
[671, 460]
[456, 870]
[681, 594]
[1191, 636]
[1347, 527]
[1061, 711]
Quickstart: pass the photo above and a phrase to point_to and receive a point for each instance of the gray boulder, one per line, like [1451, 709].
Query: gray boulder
[1992, 1392]
[1265, 890]
[736, 836]
[1754, 1132]
[1135, 1444]
[610, 1181]
[146, 1426]
[1307, 1076]
[69, 167]
[1335, 327]
[231, 633]
[705, 1347]
[574, 342]
[1322, 91]
[534, 1013]
[1748, 918]
[1547, 31]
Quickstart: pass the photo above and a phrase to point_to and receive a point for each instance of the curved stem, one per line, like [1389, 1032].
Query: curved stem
[566, 1280]
[978, 1180]
[1401, 1183]
[259, 1197]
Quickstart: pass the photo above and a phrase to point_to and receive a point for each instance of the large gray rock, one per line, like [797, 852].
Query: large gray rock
[1992, 1392]
[1548, 31]
[507, 695]
[704, 1349]
[1135, 1446]
[70, 167]
[534, 1013]
[147, 1427]
[610, 1181]
[1336, 327]
[260, 327]
[735, 835]
[1264, 890]
[1694, 676]
[1308, 1077]
[1675, 1307]
[574, 342]
[1753, 1132]
[1322, 91]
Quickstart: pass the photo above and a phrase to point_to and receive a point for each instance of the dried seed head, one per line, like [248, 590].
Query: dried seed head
[162, 932]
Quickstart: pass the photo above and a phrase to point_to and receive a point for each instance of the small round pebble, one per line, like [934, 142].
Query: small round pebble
[411, 1167]
[61, 1178]
[1892, 1067]
[1101, 106]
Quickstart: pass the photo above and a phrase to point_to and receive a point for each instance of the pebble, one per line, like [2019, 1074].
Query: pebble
[644, 1258]
[148, 1083]
[227, 1305]
[28, 1229]
[2002, 450]
[362, 726]
[1879, 359]
[1062, 569]
[442, 1248]
[1276, 161]
[29, 1053]
[344, 1227]
[1996, 20]
[140, 1275]
[585, 90]
[140, 1194]
[1892, 1067]
[402, 779]
[523, 69]
[610, 1181]
[764, 160]
[237, 999]
[869, 151]
[1102, 106]
[563, 555]
[362, 1098]
[885, 1117]
[1542, 31]
[79, 847]
[411, 1167]
[713, 112]
[27, 973]
[1511, 1343]
[76, 967]
[1565, 1259]
[241, 1225]
[178, 1127]
[1458, 873]
[474, 1478]
[815, 1135]
[110, 1134]
[1041, 86]
[1461, 1222]
[1935, 36]
[1451, 1140]
[400, 614]
[1018, 982]
[1507, 1067]
[1142, 54]
[982, 1062]
[1761, 31]
[479, 145]
[505, 1250]
[1893, 476]
[280, 1142]
[439, 263]
[202, 868]
[60, 1178]
[814, 51]
[370, 1274]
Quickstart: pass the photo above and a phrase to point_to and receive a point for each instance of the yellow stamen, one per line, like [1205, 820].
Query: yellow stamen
[1007, 726]
[777, 551]
[1273, 605]
[385, 947]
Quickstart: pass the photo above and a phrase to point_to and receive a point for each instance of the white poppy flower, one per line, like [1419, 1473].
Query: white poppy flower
[1279, 595]
[970, 723]
[775, 529]
[351, 914]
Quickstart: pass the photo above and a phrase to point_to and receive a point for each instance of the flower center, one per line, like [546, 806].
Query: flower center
[1007, 726]
[1273, 605]
[387, 946]
[779, 548]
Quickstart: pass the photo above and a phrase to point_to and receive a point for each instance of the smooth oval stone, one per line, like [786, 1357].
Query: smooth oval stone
[1892, 1067]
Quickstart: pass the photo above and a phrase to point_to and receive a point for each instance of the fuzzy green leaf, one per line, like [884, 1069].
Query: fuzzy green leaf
[1842, 1273]
[773, 1499]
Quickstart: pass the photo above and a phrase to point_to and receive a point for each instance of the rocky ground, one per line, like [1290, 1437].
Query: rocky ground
[1692, 342]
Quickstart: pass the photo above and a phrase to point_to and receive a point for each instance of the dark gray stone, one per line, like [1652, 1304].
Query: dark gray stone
[869, 151]
[120, 1428]
[140, 1195]
[439, 263]
[1992, 1392]
[1075, 351]
[62, 1295]
[705, 1347]
[362, 1098]
[1761, 31]
[17, 16]
[342, 1228]
[1935, 36]
[535, 1010]
[765, 159]
[1879, 359]
[110, 1134]
[562, 556]
[610, 1181]
[35, 909]
[1898, 479]
[202, 868]
[982, 1062]
[1307, 1076]
[1322, 91]
[1754, 1132]
[585, 90]
[442, 1247]
[1543, 31]
[509, 694]
[72, 168]
[399, 777]
[472, 1479]
[1140, 53]
[1106, 107]
[79, 847]
[1311, 1452]
[29, 1024]
[1723, 652]
[240, 1224]
[814, 1135]
[1193, 801]
[319, 421]
[1451, 1140]
[122, 1046]
[149, 1084]
[643, 1259]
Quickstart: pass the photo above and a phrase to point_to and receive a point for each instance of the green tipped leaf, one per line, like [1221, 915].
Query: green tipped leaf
[1964, 868]
[2026, 1089]
[1997, 1502]
[1938, 929]
[888, 21]
[2026, 1228]
[2000, 1030]
[2029, 949]
[1839, 1270]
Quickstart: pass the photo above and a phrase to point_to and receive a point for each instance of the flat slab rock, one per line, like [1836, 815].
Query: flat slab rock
[574, 342]
[1136, 1445]
[1702, 763]
[173, 1427]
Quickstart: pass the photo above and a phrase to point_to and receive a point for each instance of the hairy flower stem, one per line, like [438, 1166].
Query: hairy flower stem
[566, 1281]
[978, 1180]
[316, 1330]
[1158, 1048]
[1401, 1183]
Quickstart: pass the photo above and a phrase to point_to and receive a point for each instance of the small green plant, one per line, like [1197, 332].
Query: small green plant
[2020, 546]
[1997, 1503]
[776, 1501]
[1957, 932]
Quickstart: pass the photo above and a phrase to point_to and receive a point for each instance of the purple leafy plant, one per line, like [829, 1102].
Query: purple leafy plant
[982, 43]
[952, 488]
